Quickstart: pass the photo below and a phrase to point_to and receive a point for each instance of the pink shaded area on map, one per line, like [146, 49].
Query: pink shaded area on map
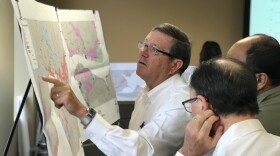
[71, 52]
[75, 29]
[61, 73]
[91, 53]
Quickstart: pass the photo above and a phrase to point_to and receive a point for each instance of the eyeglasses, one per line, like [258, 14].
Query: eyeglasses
[187, 104]
[155, 51]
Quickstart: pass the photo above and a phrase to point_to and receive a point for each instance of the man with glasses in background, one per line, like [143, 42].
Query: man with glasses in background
[158, 121]
[224, 105]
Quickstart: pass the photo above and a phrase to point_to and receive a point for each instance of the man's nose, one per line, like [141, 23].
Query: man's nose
[144, 52]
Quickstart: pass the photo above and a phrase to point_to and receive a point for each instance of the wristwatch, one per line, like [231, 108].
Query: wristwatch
[88, 118]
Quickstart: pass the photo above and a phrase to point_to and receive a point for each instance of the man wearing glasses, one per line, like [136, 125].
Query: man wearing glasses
[224, 100]
[158, 120]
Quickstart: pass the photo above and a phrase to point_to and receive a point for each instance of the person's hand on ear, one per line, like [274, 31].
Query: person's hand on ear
[197, 141]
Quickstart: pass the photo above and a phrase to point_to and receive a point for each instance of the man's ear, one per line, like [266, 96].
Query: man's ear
[175, 66]
[262, 80]
[204, 104]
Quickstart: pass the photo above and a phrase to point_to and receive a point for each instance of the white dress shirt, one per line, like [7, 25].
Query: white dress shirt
[156, 126]
[247, 138]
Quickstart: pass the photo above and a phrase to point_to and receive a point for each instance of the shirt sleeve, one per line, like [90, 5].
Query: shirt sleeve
[113, 140]
[161, 135]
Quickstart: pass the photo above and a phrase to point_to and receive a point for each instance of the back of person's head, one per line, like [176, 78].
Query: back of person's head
[181, 47]
[265, 59]
[264, 40]
[240, 49]
[210, 49]
[228, 85]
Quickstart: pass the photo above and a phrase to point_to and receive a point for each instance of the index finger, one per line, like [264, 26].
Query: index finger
[208, 124]
[202, 117]
[51, 80]
[207, 114]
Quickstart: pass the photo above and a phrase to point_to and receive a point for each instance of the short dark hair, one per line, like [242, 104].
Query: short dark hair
[228, 85]
[209, 50]
[181, 47]
[265, 59]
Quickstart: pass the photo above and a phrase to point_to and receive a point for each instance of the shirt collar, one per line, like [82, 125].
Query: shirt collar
[165, 84]
[238, 130]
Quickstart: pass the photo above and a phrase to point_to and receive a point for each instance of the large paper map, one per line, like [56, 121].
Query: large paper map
[67, 45]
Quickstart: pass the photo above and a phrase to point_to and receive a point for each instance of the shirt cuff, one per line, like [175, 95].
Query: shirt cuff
[97, 129]
[179, 154]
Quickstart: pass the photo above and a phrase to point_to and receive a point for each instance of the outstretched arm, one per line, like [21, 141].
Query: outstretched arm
[62, 95]
[197, 141]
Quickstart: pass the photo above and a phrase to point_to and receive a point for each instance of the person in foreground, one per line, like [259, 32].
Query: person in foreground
[158, 120]
[224, 100]
[262, 56]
